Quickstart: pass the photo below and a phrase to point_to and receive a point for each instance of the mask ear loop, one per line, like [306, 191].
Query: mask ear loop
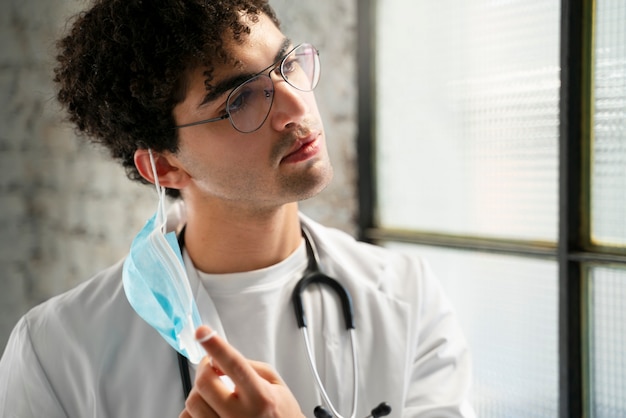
[161, 217]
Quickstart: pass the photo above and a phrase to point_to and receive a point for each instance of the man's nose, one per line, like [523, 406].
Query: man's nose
[290, 104]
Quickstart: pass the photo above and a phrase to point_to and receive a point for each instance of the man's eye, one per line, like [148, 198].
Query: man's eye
[291, 65]
[239, 100]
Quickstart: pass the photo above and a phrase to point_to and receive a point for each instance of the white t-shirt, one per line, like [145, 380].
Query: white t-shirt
[256, 295]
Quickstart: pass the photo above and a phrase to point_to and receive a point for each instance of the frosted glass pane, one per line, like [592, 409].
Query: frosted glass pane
[467, 116]
[508, 308]
[609, 124]
[608, 342]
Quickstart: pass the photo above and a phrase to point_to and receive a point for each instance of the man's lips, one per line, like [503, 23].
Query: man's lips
[303, 149]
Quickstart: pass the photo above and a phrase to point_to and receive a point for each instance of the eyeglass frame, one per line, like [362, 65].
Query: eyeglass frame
[272, 67]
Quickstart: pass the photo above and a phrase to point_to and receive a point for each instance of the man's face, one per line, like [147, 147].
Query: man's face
[285, 160]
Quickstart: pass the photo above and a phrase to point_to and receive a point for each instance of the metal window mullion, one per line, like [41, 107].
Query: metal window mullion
[574, 134]
[366, 64]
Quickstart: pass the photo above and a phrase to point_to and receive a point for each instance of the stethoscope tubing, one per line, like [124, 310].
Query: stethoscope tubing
[314, 275]
[318, 381]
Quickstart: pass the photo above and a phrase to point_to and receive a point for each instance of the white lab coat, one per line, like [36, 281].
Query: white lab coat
[86, 353]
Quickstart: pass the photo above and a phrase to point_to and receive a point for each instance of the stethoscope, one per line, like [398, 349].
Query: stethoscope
[311, 275]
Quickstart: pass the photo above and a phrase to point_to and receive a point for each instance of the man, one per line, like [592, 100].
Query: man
[210, 100]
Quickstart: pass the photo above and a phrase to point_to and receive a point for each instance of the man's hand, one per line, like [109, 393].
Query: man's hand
[259, 391]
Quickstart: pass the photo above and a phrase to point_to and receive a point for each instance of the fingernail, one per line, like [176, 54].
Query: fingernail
[207, 337]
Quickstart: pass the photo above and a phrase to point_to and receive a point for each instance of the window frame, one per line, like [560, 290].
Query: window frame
[574, 251]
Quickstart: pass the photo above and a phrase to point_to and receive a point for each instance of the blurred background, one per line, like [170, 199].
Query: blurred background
[488, 136]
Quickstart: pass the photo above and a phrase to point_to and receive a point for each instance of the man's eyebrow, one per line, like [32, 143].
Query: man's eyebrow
[284, 47]
[235, 80]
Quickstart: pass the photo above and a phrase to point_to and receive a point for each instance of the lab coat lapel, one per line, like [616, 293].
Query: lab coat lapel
[382, 325]
[383, 349]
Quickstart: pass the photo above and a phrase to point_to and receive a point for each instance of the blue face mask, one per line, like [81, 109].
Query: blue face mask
[156, 284]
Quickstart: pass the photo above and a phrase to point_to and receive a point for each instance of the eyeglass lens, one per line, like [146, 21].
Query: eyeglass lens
[250, 103]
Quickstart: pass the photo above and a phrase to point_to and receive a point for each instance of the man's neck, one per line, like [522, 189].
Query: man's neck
[224, 240]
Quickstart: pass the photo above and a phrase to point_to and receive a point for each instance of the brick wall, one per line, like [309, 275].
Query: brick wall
[66, 211]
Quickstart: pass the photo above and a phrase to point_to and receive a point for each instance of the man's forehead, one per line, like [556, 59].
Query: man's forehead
[229, 75]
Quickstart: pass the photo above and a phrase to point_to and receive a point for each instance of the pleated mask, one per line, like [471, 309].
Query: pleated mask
[156, 283]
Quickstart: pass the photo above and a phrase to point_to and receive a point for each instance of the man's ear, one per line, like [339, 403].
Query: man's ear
[170, 175]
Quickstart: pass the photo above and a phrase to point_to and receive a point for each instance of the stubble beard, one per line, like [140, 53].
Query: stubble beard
[314, 178]
[310, 183]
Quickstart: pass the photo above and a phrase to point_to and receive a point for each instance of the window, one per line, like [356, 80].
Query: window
[493, 142]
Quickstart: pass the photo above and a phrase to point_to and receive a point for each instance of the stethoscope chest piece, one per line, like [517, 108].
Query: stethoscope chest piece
[382, 410]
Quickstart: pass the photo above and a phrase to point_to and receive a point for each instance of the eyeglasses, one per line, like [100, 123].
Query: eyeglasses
[249, 104]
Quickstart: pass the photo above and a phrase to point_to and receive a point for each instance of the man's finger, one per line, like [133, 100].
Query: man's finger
[196, 406]
[231, 362]
[267, 372]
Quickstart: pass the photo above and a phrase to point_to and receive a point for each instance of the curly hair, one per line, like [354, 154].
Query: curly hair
[123, 65]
